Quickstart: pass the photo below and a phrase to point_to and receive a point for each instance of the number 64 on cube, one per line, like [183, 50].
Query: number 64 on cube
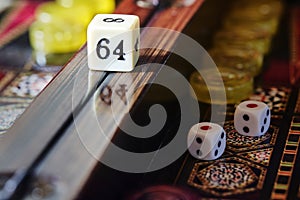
[113, 42]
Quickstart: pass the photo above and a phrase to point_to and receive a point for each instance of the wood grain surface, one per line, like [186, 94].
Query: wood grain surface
[47, 116]
[45, 136]
[82, 141]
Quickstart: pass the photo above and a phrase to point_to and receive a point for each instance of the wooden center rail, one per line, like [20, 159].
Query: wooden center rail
[45, 141]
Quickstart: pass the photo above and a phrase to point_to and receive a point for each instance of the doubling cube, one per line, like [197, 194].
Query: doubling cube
[252, 118]
[113, 42]
[206, 141]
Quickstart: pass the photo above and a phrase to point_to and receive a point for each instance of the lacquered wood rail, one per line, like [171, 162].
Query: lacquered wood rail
[83, 134]
[45, 136]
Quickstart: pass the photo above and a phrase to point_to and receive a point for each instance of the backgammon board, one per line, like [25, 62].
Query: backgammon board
[65, 130]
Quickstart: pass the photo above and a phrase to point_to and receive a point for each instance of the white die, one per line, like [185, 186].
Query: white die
[252, 118]
[206, 141]
[113, 42]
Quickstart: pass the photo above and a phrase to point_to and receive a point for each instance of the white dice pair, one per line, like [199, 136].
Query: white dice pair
[207, 141]
[113, 42]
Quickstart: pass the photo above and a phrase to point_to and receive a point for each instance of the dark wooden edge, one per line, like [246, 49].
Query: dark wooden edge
[45, 119]
[70, 160]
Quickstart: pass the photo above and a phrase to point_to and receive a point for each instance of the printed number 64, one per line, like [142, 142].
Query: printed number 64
[103, 52]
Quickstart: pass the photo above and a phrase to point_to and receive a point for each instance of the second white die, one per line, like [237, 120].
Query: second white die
[206, 141]
[252, 118]
[113, 42]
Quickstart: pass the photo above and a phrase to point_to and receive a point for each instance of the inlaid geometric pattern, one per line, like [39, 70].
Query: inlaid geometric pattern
[17, 91]
[238, 142]
[226, 177]
[236, 139]
[9, 113]
[261, 156]
[241, 169]
[275, 98]
[28, 84]
[288, 159]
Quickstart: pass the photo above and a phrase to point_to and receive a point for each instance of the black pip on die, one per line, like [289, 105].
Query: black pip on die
[113, 42]
[252, 118]
[206, 141]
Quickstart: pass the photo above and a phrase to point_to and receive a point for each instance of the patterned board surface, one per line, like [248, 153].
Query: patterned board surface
[19, 82]
[244, 166]
[265, 167]
[243, 170]
[18, 89]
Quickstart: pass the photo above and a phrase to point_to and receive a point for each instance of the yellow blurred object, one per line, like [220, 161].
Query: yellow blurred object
[98, 6]
[57, 30]
[49, 11]
[104, 6]
[57, 36]
[60, 28]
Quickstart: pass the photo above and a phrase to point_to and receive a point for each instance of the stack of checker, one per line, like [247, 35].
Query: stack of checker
[239, 48]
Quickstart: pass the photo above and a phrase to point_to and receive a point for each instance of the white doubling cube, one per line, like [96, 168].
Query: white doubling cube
[113, 42]
[206, 141]
[252, 118]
